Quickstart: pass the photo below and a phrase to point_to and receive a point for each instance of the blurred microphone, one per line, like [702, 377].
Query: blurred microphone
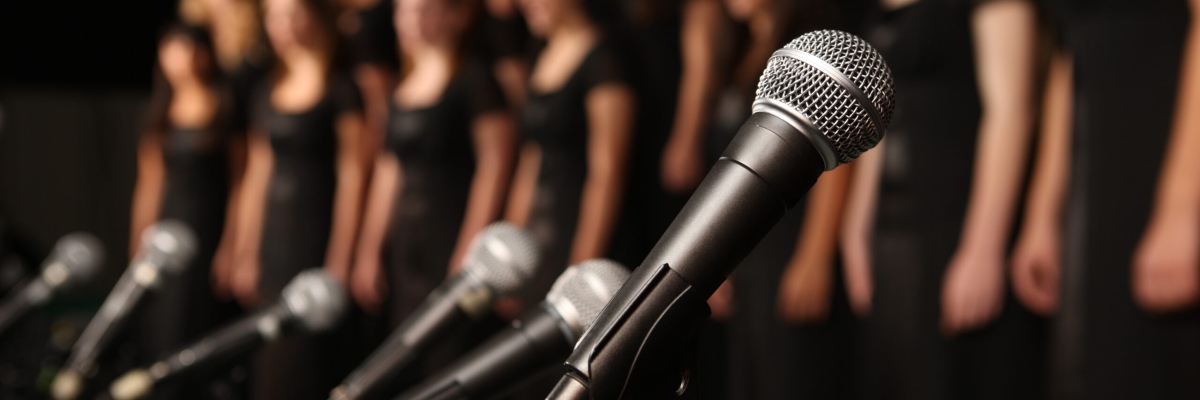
[501, 259]
[167, 248]
[823, 99]
[313, 302]
[74, 259]
[534, 343]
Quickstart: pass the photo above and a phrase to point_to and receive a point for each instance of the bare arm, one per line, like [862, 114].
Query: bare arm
[524, 185]
[494, 138]
[148, 192]
[347, 200]
[805, 292]
[610, 130]
[366, 283]
[1165, 273]
[683, 165]
[375, 82]
[858, 223]
[974, 286]
[260, 160]
[222, 263]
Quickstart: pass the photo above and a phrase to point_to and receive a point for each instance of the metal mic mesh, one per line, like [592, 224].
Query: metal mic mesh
[503, 257]
[844, 112]
[583, 290]
[75, 258]
[170, 245]
[316, 300]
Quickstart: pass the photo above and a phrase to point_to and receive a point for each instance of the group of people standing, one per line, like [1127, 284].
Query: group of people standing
[376, 138]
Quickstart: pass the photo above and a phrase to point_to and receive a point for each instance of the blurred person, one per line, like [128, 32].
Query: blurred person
[503, 44]
[189, 159]
[577, 124]
[302, 193]
[789, 331]
[450, 149]
[1116, 216]
[928, 226]
[242, 59]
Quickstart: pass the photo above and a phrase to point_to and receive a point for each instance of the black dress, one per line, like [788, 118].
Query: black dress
[196, 192]
[435, 146]
[557, 122]
[925, 183]
[1123, 108]
[296, 227]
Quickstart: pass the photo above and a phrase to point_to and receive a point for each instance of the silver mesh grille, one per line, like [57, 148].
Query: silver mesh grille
[81, 254]
[170, 245]
[503, 257]
[825, 102]
[316, 299]
[586, 288]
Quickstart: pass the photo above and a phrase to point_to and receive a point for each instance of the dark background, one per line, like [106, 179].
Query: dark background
[74, 78]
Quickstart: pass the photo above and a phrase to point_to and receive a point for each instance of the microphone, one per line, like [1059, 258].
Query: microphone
[167, 248]
[74, 259]
[532, 344]
[501, 259]
[823, 99]
[313, 302]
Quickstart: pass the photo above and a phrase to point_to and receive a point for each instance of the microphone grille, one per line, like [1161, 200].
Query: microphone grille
[80, 255]
[316, 299]
[582, 291]
[503, 257]
[171, 244]
[839, 84]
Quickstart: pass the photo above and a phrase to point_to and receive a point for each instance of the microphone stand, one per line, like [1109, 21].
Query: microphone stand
[644, 351]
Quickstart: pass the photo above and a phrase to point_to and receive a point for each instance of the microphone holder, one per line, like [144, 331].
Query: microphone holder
[644, 351]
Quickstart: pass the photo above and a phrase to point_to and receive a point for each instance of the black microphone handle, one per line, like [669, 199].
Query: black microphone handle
[106, 324]
[237, 338]
[21, 299]
[537, 341]
[635, 347]
[440, 313]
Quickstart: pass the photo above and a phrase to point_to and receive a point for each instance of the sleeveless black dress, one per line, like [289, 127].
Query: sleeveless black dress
[925, 185]
[196, 192]
[557, 122]
[296, 227]
[1123, 108]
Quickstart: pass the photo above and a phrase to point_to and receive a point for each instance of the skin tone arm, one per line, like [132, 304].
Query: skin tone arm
[974, 286]
[494, 136]
[524, 185]
[1166, 265]
[223, 258]
[683, 161]
[1036, 257]
[367, 284]
[147, 194]
[610, 122]
[857, 228]
[347, 200]
[804, 290]
[260, 161]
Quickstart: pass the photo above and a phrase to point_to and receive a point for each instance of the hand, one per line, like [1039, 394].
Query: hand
[1036, 263]
[682, 167]
[367, 285]
[1165, 276]
[804, 293]
[508, 308]
[721, 301]
[456, 261]
[244, 281]
[222, 271]
[972, 290]
[856, 270]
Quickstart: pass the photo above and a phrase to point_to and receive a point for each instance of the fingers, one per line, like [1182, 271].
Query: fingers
[859, 284]
[1035, 284]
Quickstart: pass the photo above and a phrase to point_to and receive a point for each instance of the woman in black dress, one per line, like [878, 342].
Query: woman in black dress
[450, 148]
[185, 172]
[577, 124]
[1115, 186]
[303, 189]
[940, 195]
